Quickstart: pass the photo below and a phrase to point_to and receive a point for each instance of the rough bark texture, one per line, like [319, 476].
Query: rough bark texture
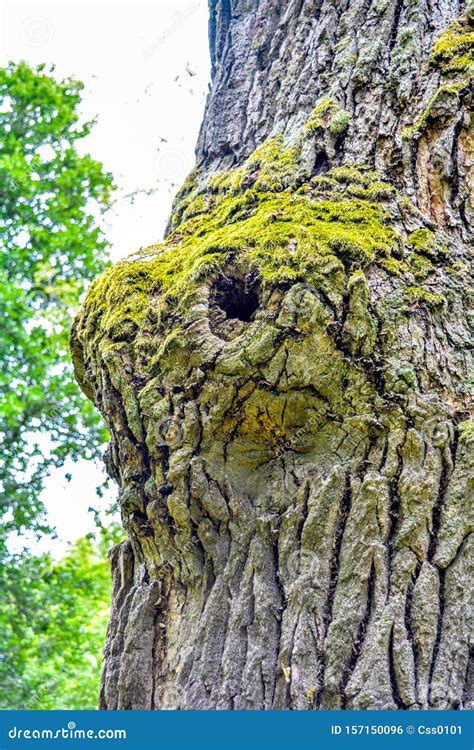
[286, 378]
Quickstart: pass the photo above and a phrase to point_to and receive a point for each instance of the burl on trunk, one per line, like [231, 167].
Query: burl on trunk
[285, 378]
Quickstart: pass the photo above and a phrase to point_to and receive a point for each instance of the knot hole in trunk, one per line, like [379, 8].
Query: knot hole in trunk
[233, 302]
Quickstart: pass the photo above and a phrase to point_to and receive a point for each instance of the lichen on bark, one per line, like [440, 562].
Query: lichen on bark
[285, 379]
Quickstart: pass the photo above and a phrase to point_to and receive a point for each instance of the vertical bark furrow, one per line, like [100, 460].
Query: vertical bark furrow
[392, 672]
[409, 622]
[439, 628]
[438, 508]
[334, 567]
[359, 641]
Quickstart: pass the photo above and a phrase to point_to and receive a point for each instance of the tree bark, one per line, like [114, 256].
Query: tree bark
[290, 427]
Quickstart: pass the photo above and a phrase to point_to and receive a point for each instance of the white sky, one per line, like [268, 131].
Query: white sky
[145, 67]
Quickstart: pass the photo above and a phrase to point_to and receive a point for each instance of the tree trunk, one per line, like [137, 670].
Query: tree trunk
[285, 378]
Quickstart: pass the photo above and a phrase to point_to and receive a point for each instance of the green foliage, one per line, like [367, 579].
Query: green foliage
[52, 616]
[52, 627]
[52, 246]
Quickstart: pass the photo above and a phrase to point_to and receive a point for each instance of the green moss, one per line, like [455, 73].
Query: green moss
[284, 236]
[419, 266]
[453, 53]
[184, 196]
[466, 430]
[354, 181]
[329, 229]
[424, 241]
[459, 270]
[470, 11]
[352, 175]
[318, 119]
[444, 100]
[453, 57]
[226, 181]
[271, 167]
[327, 115]
[277, 165]
[416, 294]
[340, 122]
[393, 266]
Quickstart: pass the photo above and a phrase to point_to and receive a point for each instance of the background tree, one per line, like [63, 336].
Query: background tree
[52, 246]
[53, 621]
[285, 379]
[51, 197]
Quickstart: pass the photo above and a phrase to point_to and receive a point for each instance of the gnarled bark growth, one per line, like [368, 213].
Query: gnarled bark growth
[285, 378]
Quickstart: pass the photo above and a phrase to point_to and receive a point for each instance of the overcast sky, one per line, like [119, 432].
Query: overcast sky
[145, 67]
